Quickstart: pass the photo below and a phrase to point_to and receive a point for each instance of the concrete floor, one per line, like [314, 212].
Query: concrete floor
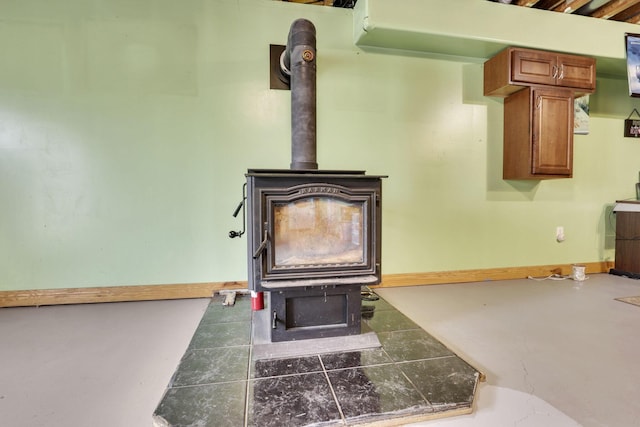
[93, 365]
[556, 353]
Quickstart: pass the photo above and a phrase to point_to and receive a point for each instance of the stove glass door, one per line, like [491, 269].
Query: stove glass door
[319, 231]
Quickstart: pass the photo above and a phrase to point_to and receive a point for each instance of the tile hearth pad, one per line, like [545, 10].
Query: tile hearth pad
[220, 381]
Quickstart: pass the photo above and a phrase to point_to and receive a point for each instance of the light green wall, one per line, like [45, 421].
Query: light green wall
[126, 128]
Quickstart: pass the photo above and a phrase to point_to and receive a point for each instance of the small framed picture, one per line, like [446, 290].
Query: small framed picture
[632, 42]
[581, 115]
[631, 126]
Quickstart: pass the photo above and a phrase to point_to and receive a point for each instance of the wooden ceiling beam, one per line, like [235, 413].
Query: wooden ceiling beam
[547, 4]
[527, 3]
[570, 6]
[319, 2]
[613, 8]
[627, 14]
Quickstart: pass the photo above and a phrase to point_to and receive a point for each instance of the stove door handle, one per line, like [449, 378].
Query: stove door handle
[233, 234]
[262, 246]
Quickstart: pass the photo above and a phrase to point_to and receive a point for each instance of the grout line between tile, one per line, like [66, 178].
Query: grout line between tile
[417, 389]
[247, 388]
[293, 374]
[333, 392]
[204, 384]
[448, 356]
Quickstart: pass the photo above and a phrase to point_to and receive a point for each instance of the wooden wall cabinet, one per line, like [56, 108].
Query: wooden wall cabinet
[538, 141]
[513, 68]
[539, 88]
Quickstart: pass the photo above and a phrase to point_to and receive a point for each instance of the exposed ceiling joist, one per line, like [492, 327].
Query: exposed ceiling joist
[570, 6]
[319, 2]
[527, 3]
[547, 4]
[628, 15]
[615, 10]
[336, 3]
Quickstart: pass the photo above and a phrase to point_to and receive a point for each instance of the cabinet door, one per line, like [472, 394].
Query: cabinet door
[576, 71]
[535, 67]
[627, 243]
[552, 136]
[515, 68]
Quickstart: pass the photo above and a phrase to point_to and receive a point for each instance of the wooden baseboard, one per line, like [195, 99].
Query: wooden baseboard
[40, 297]
[488, 274]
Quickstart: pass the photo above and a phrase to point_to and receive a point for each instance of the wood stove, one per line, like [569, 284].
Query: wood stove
[313, 235]
[313, 241]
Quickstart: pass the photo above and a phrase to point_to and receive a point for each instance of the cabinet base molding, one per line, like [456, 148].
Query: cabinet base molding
[39, 297]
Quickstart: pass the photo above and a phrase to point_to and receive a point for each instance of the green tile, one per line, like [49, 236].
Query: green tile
[292, 400]
[379, 305]
[285, 366]
[354, 359]
[388, 320]
[218, 313]
[412, 345]
[214, 335]
[213, 405]
[212, 365]
[375, 392]
[447, 382]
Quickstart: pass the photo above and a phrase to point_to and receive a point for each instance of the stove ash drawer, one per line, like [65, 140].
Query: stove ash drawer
[315, 313]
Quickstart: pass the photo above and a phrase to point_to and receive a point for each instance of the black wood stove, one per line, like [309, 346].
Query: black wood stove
[313, 235]
[313, 240]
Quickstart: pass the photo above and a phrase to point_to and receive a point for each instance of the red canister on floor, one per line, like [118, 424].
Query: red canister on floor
[257, 300]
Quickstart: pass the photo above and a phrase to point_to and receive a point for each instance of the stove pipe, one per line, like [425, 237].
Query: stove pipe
[299, 62]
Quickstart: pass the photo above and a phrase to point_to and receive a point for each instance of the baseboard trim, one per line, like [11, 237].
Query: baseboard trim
[38, 297]
[488, 274]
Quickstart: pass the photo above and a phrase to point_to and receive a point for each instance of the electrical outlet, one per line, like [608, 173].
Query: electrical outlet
[560, 234]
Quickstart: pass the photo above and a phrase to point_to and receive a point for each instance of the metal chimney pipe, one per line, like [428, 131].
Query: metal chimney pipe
[299, 62]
